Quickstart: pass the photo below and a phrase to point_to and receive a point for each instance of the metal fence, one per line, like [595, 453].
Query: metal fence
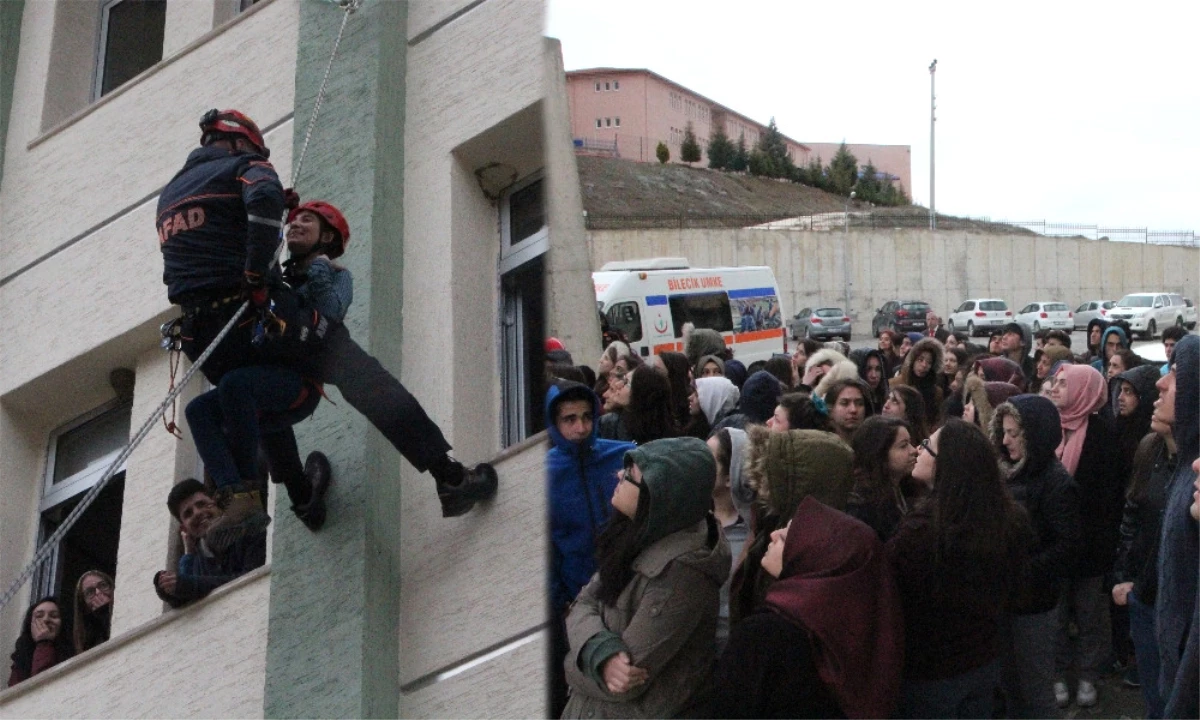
[884, 220]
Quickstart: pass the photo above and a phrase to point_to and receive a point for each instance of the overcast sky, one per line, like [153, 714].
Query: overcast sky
[1069, 112]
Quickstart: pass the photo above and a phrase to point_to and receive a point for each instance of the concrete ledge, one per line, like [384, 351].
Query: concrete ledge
[127, 638]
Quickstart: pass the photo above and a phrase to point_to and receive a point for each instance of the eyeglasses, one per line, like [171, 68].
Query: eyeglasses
[101, 587]
[626, 476]
[928, 448]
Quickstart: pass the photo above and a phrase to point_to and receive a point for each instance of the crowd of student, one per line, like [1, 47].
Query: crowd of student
[929, 528]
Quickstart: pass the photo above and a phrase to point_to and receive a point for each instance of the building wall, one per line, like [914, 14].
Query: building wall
[80, 270]
[893, 159]
[653, 110]
[943, 268]
[390, 609]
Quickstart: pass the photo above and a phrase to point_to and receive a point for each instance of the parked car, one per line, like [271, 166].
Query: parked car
[1189, 314]
[1046, 314]
[1147, 312]
[820, 323]
[979, 316]
[900, 315]
[1090, 310]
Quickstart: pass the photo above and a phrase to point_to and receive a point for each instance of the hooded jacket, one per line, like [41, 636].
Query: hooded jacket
[929, 386]
[1001, 369]
[718, 397]
[666, 617]
[701, 342]
[1091, 354]
[1130, 430]
[760, 395]
[1177, 622]
[1101, 362]
[839, 368]
[582, 478]
[781, 470]
[1026, 363]
[1042, 485]
[987, 396]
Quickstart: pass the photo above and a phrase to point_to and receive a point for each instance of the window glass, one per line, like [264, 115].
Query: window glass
[993, 305]
[1056, 307]
[916, 308]
[527, 212]
[627, 318]
[131, 41]
[89, 444]
[830, 312]
[702, 310]
[1136, 301]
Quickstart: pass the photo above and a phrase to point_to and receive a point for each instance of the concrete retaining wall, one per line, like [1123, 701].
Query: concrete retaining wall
[942, 268]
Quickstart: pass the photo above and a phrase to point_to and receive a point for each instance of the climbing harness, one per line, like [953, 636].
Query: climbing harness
[172, 342]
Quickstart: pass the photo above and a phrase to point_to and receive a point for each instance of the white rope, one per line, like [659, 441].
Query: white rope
[43, 552]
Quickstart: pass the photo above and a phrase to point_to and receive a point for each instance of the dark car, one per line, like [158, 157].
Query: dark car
[815, 323]
[900, 315]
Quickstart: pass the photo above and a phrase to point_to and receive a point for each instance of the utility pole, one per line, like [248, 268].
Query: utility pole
[932, 120]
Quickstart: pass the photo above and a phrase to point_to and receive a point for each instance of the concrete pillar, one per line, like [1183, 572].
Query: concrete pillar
[333, 628]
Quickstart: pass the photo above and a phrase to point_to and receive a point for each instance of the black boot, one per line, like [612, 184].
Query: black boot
[319, 474]
[460, 488]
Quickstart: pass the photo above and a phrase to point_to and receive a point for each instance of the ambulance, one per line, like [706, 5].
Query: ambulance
[651, 301]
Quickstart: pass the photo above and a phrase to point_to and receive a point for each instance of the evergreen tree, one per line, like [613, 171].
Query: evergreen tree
[774, 147]
[741, 156]
[870, 188]
[720, 149]
[689, 150]
[662, 152]
[843, 171]
[815, 173]
[760, 164]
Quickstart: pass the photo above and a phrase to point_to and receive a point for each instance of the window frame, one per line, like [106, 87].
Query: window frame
[54, 494]
[515, 255]
[101, 53]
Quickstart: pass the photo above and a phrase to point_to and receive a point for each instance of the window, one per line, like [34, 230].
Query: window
[626, 317]
[616, 84]
[78, 455]
[606, 86]
[524, 238]
[131, 40]
[598, 124]
[702, 310]
[617, 122]
[607, 122]
[597, 87]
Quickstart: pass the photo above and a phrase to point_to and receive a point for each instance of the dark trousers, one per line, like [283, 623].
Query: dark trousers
[374, 392]
[200, 328]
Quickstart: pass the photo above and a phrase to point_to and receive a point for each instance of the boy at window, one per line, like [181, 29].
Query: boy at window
[202, 569]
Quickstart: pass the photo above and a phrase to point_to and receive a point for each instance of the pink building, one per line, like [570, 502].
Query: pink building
[627, 112]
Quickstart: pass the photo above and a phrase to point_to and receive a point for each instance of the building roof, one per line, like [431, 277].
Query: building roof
[644, 71]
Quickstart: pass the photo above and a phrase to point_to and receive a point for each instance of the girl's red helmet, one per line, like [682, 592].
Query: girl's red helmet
[232, 122]
[331, 215]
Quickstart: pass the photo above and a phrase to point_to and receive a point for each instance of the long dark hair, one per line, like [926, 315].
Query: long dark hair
[872, 444]
[649, 416]
[91, 627]
[803, 413]
[781, 368]
[977, 523]
[677, 367]
[617, 546]
[914, 412]
[22, 655]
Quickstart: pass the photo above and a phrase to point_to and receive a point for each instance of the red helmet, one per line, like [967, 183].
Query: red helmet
[553, 343]
[331, 215]
[232, 122]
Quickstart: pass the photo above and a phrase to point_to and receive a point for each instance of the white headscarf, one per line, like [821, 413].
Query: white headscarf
[718, 397]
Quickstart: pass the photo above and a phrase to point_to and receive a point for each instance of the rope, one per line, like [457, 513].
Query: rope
[44, 551]
[349, 6]
[52, 542]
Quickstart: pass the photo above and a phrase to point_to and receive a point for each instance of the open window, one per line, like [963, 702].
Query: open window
[702, 310]
[78, 455]
[524, 239]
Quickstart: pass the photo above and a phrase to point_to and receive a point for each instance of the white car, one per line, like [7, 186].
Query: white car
[979, 316]
[1090, 310]
[1147, 312]
[1048, 315]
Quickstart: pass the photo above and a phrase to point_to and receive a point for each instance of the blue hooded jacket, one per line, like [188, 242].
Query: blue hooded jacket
[1101, 363]
[582, 478]
[1177, 614]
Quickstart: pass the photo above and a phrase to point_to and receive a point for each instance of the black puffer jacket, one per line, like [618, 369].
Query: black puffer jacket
[1101, 497]
[1141, 523]
[1041, 483]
